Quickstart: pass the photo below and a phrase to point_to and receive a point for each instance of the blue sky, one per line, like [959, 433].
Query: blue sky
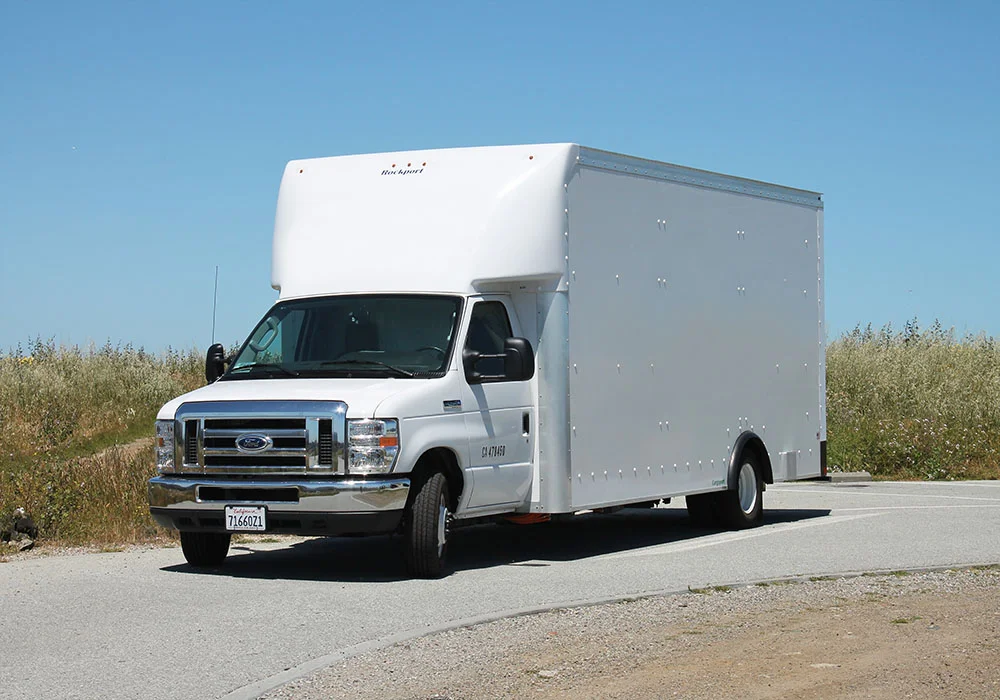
[141, 144]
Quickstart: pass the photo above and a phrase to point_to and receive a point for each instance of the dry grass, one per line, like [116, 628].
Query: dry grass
[64, 414]
[57, 399]
[914, 404]
[81, 500]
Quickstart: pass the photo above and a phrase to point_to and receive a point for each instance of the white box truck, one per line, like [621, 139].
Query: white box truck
[507, 331]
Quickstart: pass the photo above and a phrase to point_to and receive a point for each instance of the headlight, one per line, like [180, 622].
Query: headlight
[372, 445]
[165, 445]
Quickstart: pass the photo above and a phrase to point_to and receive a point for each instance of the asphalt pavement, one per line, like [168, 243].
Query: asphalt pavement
[145, 625]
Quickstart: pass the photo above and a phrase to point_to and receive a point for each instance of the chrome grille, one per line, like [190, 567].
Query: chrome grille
[302, 437]
[289, 437]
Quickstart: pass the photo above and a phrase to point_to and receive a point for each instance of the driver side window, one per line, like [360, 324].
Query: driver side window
[489, 327]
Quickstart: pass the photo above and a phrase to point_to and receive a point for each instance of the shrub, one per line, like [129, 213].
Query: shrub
[913, 403]
[101, 498]
[61, 405]
[58, 400]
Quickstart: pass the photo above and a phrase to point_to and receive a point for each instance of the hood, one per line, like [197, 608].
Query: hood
[362, 396]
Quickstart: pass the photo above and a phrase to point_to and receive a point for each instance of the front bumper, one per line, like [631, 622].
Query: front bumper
[303, 507]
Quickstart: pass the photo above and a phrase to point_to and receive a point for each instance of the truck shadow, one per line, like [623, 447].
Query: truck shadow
[380, 559]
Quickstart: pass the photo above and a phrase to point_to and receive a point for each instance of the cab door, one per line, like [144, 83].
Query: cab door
[498, 412]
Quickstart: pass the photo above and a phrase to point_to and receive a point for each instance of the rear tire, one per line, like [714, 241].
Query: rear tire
[427, 528]
[205, 549]
[743, 507]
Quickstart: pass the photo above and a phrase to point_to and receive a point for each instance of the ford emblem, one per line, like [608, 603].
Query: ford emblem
[253, 442]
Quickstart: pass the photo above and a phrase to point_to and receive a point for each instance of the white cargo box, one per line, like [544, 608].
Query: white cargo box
[695, 314]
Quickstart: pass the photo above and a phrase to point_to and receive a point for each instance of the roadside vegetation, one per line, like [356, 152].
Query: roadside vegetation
[914, 403]
[76, 445]
[75, 435]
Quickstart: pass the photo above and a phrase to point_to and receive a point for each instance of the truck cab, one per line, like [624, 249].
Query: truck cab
[336, 413]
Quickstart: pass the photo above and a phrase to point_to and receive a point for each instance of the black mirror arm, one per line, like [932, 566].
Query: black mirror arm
[470, 358]
[490, 377]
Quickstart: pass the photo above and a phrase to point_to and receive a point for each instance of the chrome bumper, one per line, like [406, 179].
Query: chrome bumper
[188, 493]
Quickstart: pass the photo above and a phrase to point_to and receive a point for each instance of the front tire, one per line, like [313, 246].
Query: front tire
[205, 549]
[743, 507]
[427, 528]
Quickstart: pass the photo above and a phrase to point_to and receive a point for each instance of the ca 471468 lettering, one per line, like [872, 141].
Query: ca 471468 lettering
[494, 451]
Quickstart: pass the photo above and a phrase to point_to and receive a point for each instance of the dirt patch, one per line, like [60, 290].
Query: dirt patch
[928, 635]
[919, 646]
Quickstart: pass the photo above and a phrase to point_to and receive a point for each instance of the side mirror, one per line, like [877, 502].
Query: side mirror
[215, 362]
[518, 363]
[519, 359]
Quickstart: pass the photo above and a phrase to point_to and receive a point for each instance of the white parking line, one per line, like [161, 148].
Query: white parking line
[945, 484]
[883, 494]
[728, 537]
[871, 508]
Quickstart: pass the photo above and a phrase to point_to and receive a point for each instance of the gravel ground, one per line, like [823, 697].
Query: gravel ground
[922, 635]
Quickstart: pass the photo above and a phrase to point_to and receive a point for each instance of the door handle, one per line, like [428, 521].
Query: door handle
[525, 424]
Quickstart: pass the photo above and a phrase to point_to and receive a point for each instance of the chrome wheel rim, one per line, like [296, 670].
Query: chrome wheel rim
[748, 488]
[442, 528]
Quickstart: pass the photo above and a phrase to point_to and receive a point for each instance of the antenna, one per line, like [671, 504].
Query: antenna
[215, 302]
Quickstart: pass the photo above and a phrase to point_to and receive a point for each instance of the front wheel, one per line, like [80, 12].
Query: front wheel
[427, 526]
[205, 549]
[743, 507]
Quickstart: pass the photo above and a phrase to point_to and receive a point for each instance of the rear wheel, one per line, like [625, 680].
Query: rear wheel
[205, 548]
[427, 528]
[743, 507]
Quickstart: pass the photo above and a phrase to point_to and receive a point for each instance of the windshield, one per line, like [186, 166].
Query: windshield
[351, 336]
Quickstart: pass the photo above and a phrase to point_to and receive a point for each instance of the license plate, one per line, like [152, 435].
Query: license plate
[246, 518]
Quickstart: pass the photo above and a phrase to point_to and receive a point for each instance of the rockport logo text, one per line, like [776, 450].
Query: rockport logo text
[415, 171]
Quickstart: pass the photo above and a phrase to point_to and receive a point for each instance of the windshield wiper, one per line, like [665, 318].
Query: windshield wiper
[401, 372]
[265, 365]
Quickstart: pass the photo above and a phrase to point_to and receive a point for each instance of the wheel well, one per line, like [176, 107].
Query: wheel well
[439, 459]
[750, 442]
[764, 460]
